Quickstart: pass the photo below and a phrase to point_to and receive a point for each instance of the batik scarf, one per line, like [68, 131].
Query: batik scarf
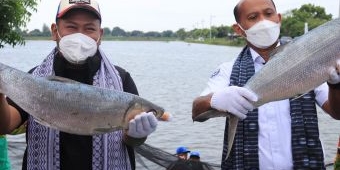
[109, 151]
[306, 146]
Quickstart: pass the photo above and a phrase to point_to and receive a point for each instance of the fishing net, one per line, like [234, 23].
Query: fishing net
[149, 157]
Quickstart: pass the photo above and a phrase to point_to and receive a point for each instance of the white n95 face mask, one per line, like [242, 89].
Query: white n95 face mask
[263, 34]
[77, 47]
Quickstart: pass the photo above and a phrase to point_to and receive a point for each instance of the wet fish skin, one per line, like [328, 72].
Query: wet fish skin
[70, 106]
[293, 69]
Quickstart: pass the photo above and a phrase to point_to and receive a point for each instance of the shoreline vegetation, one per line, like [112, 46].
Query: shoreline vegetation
[214, 41]
[294, 23]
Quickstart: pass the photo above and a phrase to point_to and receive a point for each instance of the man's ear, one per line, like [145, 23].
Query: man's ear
[101, 36]
[237, 29]
[279, 15]
[54, 32]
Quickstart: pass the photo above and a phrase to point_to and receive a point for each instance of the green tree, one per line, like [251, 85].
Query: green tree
[223, 31]
[118, 32]
[196, 33]
[137, 33]
[167, 33]
[46, 31]
[107, 31]
[14, 14]
[181, 33]
[152, 34]
[293, 22]
[205, 32]
[35, 33]
[214, 32]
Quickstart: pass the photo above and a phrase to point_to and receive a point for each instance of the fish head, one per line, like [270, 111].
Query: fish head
[137, 108]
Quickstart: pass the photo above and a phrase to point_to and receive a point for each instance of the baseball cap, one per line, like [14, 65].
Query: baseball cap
[67, 5]
[182, 149]
[194, 154]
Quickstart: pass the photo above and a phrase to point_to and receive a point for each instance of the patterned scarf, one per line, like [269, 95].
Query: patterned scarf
[109, 152]
[306, 145]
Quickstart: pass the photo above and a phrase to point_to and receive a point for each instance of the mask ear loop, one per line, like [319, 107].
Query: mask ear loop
[241, 27]
[242, 30]
[97, 41]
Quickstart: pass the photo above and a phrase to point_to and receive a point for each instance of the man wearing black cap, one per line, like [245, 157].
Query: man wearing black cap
[77, 56]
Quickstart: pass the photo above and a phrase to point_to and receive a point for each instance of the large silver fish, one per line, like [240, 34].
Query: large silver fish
[71, 106]
[293, 69]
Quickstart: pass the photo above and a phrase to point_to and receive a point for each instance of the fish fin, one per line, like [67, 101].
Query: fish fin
[233, 121]
[61, 79]
[209, 114]
[297, 96]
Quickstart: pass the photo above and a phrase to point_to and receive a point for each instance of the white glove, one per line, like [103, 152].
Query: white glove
[142, 125]
[334, 74]
[235, 100]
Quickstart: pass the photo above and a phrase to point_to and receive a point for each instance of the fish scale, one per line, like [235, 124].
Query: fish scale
[70, 106]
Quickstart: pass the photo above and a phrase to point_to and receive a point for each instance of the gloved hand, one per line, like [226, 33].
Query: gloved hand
[142, 125]
[235, 100]
[334, 74]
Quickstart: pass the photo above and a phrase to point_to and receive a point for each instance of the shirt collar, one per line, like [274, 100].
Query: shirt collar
[256, 56]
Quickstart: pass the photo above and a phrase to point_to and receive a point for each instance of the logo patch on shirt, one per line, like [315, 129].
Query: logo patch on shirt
[215, 73]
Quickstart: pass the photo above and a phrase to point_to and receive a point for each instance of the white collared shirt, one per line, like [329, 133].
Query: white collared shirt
[275, 150]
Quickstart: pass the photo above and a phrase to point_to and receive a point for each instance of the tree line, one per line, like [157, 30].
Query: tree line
[218, 32]
[292, 25]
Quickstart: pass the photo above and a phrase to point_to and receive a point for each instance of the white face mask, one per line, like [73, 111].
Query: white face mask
[77, 47]
[263, 34]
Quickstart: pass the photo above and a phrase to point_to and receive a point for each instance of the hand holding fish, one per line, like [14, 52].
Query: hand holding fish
[142, 125]
[233, 99]
[334, 74]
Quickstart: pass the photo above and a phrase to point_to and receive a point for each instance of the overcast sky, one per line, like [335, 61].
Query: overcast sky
[161, 15]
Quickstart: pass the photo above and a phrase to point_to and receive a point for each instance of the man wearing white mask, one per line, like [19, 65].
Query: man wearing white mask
[278, 135]
[77, 56]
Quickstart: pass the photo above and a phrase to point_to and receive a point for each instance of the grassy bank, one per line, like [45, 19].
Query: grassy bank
[139, 38]
[220, 41]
